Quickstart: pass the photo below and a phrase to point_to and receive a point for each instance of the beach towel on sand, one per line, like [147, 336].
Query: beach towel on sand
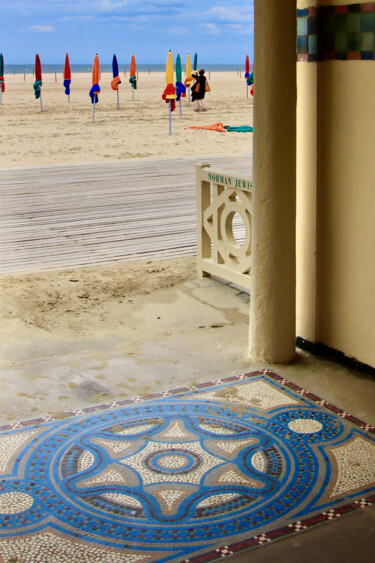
[223, 128]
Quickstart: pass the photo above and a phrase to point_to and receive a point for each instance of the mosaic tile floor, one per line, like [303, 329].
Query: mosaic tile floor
[189, 475]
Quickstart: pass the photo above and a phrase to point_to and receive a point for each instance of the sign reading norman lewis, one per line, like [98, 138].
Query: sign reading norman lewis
[230, 181]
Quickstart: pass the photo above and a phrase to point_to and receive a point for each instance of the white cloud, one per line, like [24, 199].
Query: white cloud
[39, 28]
[210, 28]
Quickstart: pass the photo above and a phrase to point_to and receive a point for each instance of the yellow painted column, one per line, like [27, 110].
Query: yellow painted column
[307, 120]
[273, 273]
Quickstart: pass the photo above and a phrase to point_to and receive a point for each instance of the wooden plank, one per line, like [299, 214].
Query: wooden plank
[79, 215]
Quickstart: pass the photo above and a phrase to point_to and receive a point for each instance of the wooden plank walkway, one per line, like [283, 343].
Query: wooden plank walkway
[62, 216]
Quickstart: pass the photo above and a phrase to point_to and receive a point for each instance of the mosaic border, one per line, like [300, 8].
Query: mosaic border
[344, 32]
[263, 538]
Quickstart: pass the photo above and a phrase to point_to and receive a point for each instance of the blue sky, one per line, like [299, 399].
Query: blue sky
[220, 31]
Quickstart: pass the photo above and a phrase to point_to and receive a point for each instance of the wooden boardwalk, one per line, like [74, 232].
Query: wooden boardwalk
[80, 215]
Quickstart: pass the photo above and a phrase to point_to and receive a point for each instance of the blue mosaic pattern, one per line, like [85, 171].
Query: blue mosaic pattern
[177, 476]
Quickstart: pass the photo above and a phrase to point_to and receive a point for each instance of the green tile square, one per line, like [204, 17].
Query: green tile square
[302, 26]
[341, 23]
[354, 41]
[367, 41]
[328, 23]
[341, 42]
[368, 21]
[313, 47]
[354, 22]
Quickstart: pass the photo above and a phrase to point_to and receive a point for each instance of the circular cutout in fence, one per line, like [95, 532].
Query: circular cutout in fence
[236, 229]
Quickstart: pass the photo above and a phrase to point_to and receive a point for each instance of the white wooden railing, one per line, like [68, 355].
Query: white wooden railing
[224, 206]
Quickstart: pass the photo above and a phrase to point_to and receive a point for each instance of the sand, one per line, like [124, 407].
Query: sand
[64, 132]
[86, 302]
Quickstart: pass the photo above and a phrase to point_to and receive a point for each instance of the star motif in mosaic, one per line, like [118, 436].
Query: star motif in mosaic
[182, 476]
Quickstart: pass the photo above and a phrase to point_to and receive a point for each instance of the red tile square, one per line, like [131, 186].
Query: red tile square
[368, 7]
[341, 9]
[353, 55]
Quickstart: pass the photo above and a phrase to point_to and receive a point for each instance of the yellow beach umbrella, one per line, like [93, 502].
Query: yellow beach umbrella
[169, 94]
[169, 70]
[189, 78]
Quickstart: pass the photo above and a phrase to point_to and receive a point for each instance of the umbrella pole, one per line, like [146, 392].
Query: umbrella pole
[41, 105]
[68, 98]
[170, 117]
[93, 112]
[189, 96]
[118, 100]
[180, 109]
[247, 90]
[1, 96]
[132, 93]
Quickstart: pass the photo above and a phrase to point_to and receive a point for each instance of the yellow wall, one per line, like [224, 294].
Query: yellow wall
[346, 208]
[336, 203]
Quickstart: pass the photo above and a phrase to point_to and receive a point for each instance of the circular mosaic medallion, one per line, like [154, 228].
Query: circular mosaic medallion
[168, 471]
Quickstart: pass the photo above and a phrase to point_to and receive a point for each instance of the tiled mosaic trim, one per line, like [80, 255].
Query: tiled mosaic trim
[345, 32]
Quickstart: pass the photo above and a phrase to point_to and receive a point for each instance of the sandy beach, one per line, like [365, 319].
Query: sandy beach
[64, 132]
[50, 303]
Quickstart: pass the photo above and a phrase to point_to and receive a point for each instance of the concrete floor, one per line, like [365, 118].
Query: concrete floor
[194, 332]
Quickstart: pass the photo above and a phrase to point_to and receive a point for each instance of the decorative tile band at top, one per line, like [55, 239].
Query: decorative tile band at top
[345, 32]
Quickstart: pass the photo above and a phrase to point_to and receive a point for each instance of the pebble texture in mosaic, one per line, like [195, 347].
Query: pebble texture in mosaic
[193, 475]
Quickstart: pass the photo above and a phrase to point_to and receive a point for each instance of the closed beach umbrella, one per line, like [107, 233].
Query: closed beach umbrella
[38, 81]
[169, 94]
[116, 79]
[95, 85]
[67, 76]
[188, 77]
[180, 87]
[133, 76]
[2, 83]
[195, 65]
[247, 74]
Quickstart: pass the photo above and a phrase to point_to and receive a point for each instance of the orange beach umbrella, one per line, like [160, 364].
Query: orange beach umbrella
[133, 75]
[95, 85]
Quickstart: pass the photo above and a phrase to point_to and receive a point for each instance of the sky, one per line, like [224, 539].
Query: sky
[220, 31]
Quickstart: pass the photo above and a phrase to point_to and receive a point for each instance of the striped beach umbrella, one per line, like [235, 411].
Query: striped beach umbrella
[169, 94]
[2, 83]
[180, 87]
[95, 89]
[38, 81]
[67, 76]
[188, 77]
[133, 76]
[116, 79]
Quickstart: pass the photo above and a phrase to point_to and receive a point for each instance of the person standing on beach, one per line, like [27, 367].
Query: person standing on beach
[199, 90]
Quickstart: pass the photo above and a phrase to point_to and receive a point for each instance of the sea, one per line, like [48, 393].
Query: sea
[59, 68]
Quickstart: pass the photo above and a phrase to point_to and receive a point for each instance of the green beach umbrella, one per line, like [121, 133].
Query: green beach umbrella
[180, 87]
[2, 84]
[195, 64]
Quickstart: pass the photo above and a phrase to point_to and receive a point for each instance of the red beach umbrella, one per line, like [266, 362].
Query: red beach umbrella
[67, 76]
[38, 81]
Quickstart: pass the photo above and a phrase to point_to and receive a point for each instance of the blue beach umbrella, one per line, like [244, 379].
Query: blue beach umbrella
[116, 79]
[2, 84]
